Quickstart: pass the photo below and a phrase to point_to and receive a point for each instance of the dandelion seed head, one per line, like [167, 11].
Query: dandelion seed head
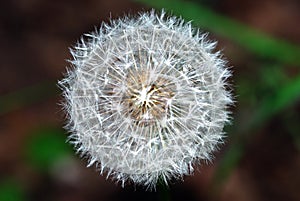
[147, 98]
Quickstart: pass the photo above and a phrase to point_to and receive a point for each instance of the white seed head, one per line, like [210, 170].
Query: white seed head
[146, 98]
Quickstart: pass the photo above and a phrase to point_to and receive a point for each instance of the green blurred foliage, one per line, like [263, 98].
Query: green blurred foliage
[45, 147]
[11, 190]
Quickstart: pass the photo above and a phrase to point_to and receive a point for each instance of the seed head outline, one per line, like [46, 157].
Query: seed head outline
[147, 98]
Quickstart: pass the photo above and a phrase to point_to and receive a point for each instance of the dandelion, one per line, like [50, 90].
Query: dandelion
[146, 99]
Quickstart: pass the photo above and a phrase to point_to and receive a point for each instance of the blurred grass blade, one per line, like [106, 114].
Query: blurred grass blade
[285, 96]
[227, 164]
[255, 41]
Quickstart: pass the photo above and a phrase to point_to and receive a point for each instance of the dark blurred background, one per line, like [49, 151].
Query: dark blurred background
[261, 157]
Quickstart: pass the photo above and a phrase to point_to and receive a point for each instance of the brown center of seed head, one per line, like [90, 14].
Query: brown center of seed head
[147, 97]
